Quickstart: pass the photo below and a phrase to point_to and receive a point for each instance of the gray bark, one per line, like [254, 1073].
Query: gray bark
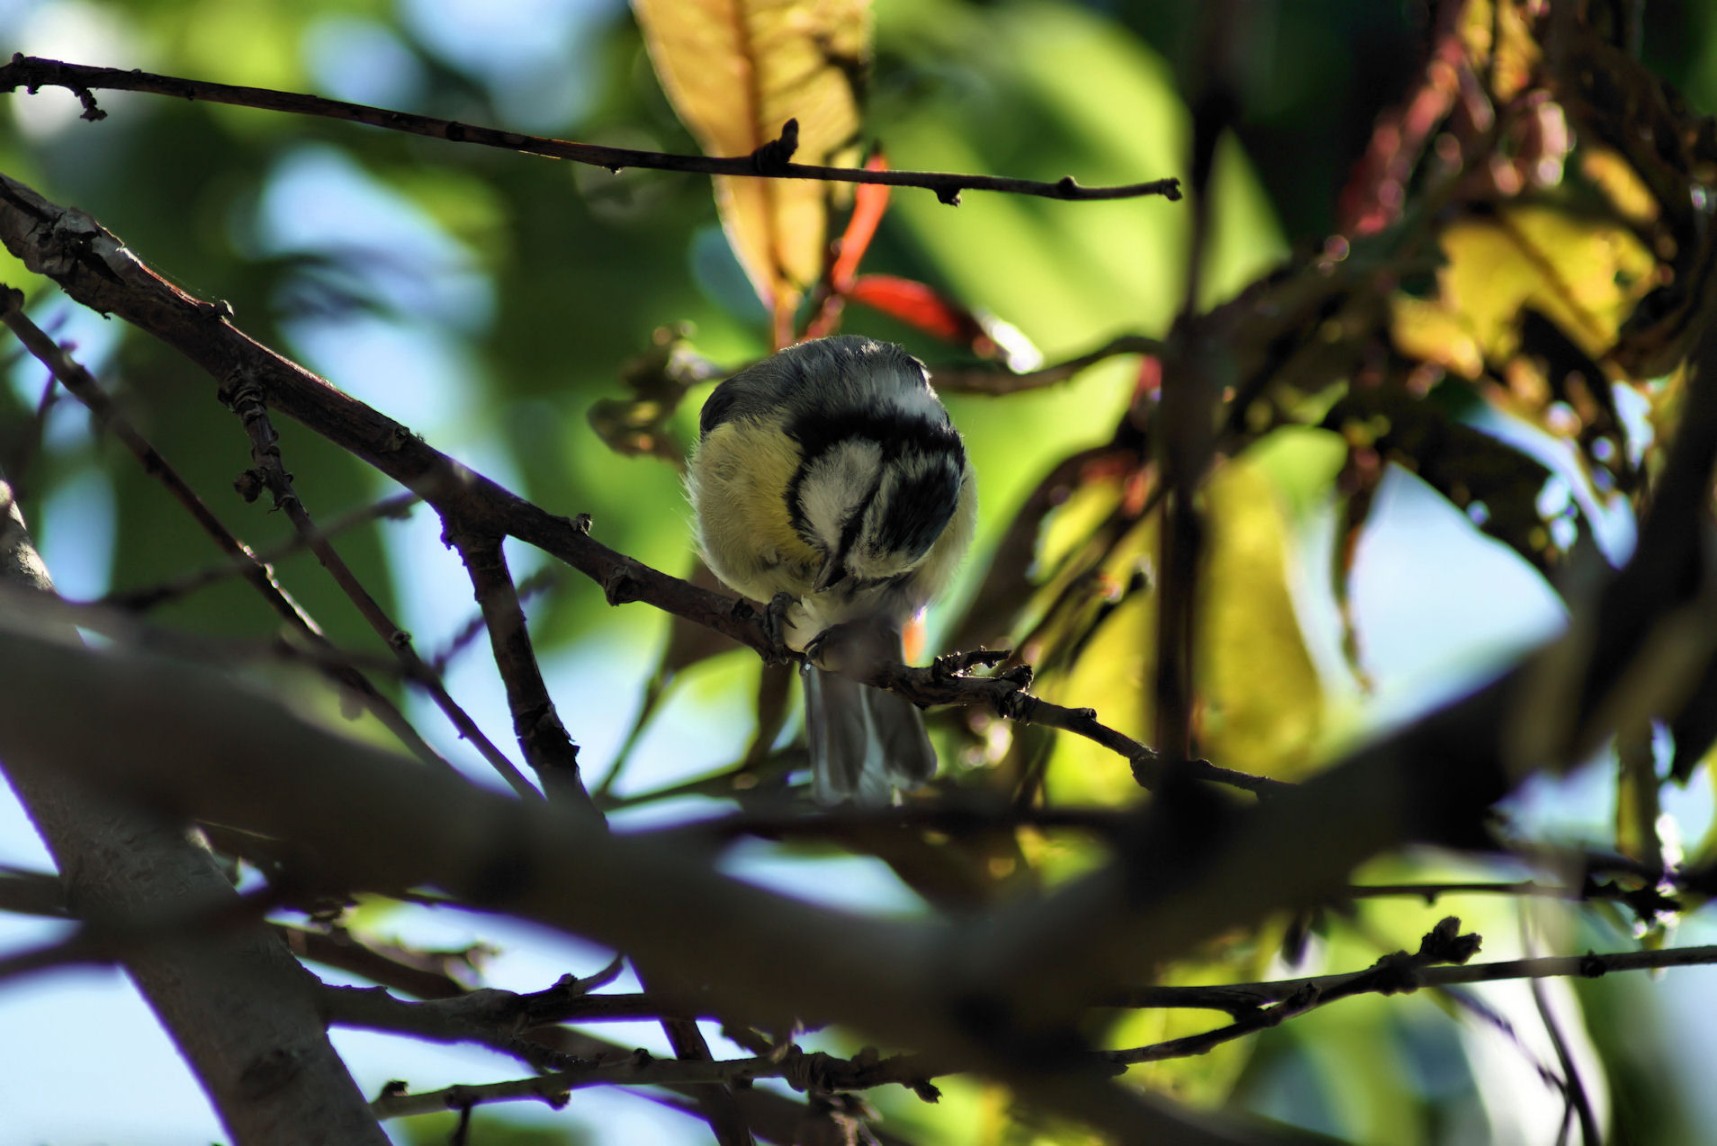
[236, 1003]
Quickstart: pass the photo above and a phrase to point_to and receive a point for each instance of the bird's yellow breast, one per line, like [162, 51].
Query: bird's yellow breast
[739, 478]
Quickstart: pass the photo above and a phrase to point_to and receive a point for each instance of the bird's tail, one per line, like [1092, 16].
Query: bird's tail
[865, 742]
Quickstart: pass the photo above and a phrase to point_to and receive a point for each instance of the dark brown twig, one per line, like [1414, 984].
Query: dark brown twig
[1006, 694]
[1392, 974]
[246, 399]
[32, 72]
[497, 1019]
[1256, 1006]
[541, 735]
[151, 596]
[32, 893]
[542, 580]
[95, 268]
[552, 753]
[82, 385]
[995, 381]
[425, 974]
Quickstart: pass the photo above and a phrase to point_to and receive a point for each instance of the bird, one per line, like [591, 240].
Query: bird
[829, 482]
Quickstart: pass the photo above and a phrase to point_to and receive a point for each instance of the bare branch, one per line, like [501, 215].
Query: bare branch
[94, 267]
[995, 381]
[500, 1020]
[247, 400]
[82, 385]
[32, 72]
[32, 893]
[547, 747]
[207, 747]
[233, 1001]
[177, 588]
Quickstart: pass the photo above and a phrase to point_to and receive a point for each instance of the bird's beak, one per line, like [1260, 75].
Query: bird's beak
[833, 572]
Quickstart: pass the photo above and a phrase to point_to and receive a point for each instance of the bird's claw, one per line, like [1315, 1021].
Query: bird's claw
[775, 627]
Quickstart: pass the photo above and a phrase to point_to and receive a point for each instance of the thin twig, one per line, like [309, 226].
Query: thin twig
[944, 683]
[246, 399]
[1573, 1086]
[497, 1019]
[543, 579]
[1646, 901]
[82, 385]
[152, 596]
[1592, 965]
[425, 974]
[1392, 974]
[1271, 1004]
[25, 892]
[814, 1071]
[548, 749]
[32, 72]
[94, 267]
[995, 381]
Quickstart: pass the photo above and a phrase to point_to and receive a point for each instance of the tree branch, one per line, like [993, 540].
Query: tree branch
[548, 749]
[33, 72]
[994, 381]
[95, 268]
[82, 385]
[210, 748]
[177, 588]
[246, 400]
[236, 1005]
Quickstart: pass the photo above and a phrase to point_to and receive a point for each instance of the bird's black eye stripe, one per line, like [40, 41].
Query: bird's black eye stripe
[919, 509]
[893, 431]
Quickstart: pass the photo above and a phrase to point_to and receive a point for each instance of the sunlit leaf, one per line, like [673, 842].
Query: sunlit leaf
[737, 71]
[1102, 641]
[929, 310]
[1585, 274]
[1087, 489]
[1262, 700]
[1498, 35]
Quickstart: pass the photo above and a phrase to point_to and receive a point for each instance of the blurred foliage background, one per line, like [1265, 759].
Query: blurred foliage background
[489, 300]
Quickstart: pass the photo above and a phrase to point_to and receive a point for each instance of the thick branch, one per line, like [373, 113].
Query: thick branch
[209, 747]
[237, 1005]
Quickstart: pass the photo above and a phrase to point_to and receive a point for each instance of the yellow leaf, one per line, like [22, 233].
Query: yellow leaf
[1263, 704]
[1585, 274]
[1627, 193]
[1432, 332]
[736, 71]
[1261, 700]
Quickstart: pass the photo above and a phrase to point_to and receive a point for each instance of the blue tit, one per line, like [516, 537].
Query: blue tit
[831, 473]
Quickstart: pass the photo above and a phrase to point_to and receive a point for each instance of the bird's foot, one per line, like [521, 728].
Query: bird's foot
[776, 625]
